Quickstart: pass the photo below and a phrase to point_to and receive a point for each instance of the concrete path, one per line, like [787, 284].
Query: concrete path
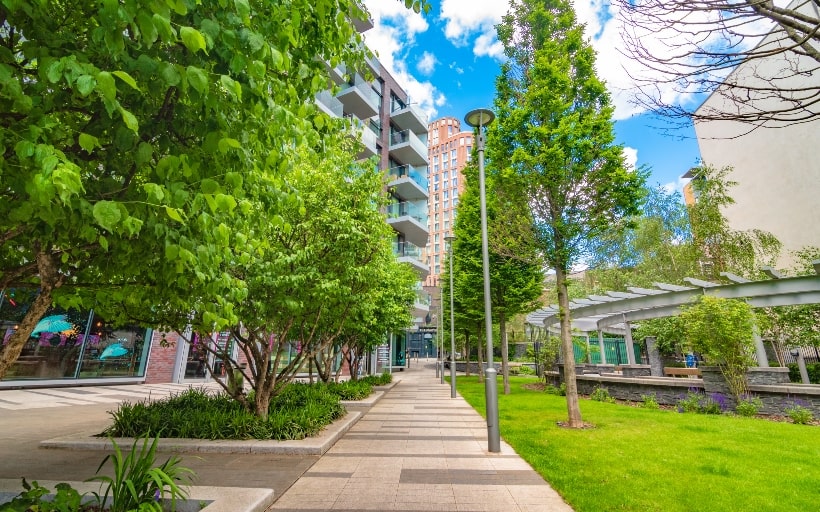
[415, 450]
[420, 450]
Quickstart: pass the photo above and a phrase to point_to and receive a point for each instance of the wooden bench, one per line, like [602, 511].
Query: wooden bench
[669, 371]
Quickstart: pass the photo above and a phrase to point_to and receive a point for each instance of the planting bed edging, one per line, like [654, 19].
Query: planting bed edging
[218, 499]
[317, 445]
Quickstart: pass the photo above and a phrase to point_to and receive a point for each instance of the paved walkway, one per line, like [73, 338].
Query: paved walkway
[415, 450]
[420, 450]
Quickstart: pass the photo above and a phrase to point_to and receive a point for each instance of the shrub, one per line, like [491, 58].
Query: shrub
[378, 380]
[799, 414]
[350, 390]
[601, 395]
[813, 369]
[34, 495]
[526, 370]
[197, 414]
[748, 406]
[650, 401]
[553, 390]
[713, 404]
[689, 402]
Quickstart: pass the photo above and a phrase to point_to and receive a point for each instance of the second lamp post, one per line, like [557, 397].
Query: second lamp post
[449, 239]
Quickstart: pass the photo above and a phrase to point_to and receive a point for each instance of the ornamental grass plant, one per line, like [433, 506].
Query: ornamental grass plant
[637, 459]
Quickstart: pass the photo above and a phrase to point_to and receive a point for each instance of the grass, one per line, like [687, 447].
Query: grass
[638, 459]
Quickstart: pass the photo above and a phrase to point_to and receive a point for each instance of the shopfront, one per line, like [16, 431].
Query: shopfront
[72, 345]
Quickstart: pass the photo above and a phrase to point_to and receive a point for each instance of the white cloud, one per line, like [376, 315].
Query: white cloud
[427, 63]
[630, 157]
[465, 19]
[455, 67]
[393, 34]
[676, 186]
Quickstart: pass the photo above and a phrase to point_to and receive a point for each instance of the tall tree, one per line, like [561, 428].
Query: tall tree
[131, 133]
[698, 46]
[553, 143]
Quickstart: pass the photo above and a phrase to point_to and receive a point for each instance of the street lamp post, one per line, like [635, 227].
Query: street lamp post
[480, 118]
[441, 336]
[449, 239]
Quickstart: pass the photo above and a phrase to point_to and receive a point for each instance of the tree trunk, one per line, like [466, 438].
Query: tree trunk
[505, 353]
[467, 351]
[262, 402]
[573, 408]
[50, 279]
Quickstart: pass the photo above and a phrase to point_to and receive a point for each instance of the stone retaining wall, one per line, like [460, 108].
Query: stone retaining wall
[668, 390]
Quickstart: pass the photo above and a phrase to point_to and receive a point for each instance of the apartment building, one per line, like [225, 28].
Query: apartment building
[449, 150]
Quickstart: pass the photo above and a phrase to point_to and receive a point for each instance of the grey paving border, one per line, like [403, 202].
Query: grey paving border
[219, 499]
[310, 446]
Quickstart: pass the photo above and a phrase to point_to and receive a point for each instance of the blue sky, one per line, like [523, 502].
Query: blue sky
[449, 58]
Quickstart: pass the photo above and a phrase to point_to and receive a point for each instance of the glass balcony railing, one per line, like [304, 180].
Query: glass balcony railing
[330, 102]
[406, 249]
[423, 298]
[414, 209]
[364, 87]
[416, 174]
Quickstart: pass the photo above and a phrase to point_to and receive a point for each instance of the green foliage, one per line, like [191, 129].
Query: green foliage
[556, 390]
[668, 333]
[379, 380]
[526, 370]
[690, 402]
[720, 248]
[299, 411]
[799, 414]
[813, 369]
[548, 353]
[721, 330]
[748, 406]
[600, 394]
[36, 498]
[137, 483]
[351, 389]
[650, 402]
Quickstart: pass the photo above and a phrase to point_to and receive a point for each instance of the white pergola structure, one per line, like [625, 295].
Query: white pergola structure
[616, 311]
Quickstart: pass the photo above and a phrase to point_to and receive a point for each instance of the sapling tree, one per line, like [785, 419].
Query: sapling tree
[553, 146]
[721, 330]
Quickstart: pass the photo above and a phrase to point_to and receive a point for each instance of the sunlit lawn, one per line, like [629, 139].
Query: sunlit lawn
[645, 460]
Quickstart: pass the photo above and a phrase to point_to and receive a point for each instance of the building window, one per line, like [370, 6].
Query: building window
[453, 154]
[446, 194]
[455, 182]
[444, 164]
[446, 205]
[461, 141]
[438, 269]
[435, 247]
[446, 175]
[446, 225]
[435, 228]
[436, 259]
[455, 203]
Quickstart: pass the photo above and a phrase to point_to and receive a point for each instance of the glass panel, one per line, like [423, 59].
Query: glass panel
[54, 348]
[113, 351]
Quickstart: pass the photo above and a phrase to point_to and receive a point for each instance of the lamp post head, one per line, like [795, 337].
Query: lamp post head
[479, 117]
[449, 238]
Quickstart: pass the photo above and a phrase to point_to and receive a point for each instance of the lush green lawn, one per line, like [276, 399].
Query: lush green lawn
[645, 460]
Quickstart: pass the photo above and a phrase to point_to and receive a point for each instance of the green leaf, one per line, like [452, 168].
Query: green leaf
[130, 120]
[225, 144]
[103, 243]
[163, 25]
[54, 72]
[242, 8]
[85, 85]
[154, 191]
[144, 153]
[147, 28]
[107, 214]
[277, 59]
[197, 79]
[192, 39]
[106, 85]
[169, 74]
[173, 213]
[88, 142]
[125, 77]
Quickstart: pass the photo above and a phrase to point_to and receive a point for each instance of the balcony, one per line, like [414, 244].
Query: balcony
[364, 134]
[328, 104]
[359, 98]
[408, 148]
[408, 182]
[411, 254]
[421, 304]
[411, 117]
[409, 218]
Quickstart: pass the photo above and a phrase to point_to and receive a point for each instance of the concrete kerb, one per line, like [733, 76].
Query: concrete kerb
[317, 445]
[217, 499]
